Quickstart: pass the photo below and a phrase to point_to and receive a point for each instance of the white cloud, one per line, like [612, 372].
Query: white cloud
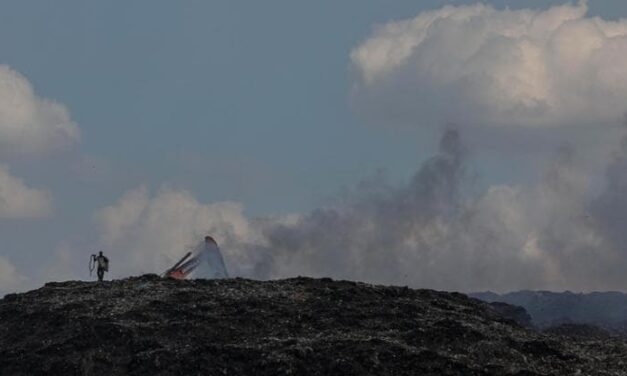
[30, 124]
[19, 201]
[67, 264]
[10, 279]
[147, 234]
[476, 65]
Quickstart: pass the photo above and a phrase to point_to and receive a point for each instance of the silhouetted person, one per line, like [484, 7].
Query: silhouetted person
[103, 265]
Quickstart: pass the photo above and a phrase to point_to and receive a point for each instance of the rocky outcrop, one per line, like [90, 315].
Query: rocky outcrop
[517, 314]
[152, 326]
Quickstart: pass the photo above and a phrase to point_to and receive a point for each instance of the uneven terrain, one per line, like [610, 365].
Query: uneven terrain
[152, 326]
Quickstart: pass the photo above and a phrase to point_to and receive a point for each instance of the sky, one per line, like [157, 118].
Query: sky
[423, 143]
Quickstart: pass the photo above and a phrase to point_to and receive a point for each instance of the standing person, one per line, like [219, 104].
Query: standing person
[103, 265]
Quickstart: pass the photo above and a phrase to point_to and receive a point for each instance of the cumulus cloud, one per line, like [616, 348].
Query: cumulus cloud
[10, 279]
[476, 65]
[68, 264]
[19, 201]
[30, 124]
[145, 233]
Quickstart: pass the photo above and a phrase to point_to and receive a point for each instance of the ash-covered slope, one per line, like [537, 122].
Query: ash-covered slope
[151, 326]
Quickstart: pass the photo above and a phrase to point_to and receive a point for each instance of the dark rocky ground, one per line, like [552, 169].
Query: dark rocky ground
[151, 326]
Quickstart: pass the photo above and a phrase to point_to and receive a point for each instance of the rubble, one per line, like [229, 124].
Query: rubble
[152, 326]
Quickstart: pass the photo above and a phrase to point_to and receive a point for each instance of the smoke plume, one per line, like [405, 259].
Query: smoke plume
[500, 75]
[438, 231]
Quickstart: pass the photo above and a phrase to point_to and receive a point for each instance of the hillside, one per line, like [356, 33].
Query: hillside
[604, 309]
[151, 326]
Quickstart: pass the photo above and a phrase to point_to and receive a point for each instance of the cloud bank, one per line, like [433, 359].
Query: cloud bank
[10, 279]
[479, 66]
[19, 201]
[29, 124]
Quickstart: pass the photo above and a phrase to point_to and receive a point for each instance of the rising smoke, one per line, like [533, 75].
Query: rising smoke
[491, 71]
[437, 231]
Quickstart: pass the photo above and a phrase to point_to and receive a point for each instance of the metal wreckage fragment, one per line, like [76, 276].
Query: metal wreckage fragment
[206, 260]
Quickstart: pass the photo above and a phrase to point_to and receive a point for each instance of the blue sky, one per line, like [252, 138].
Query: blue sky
[214, 96]
[243, 101]
[226, 81]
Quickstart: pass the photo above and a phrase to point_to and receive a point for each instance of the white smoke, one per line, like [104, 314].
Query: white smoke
[482, 68]
[148, 234]
[479, 66]
[438, 232]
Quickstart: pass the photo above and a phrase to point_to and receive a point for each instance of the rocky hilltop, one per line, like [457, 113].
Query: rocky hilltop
[152, 326]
